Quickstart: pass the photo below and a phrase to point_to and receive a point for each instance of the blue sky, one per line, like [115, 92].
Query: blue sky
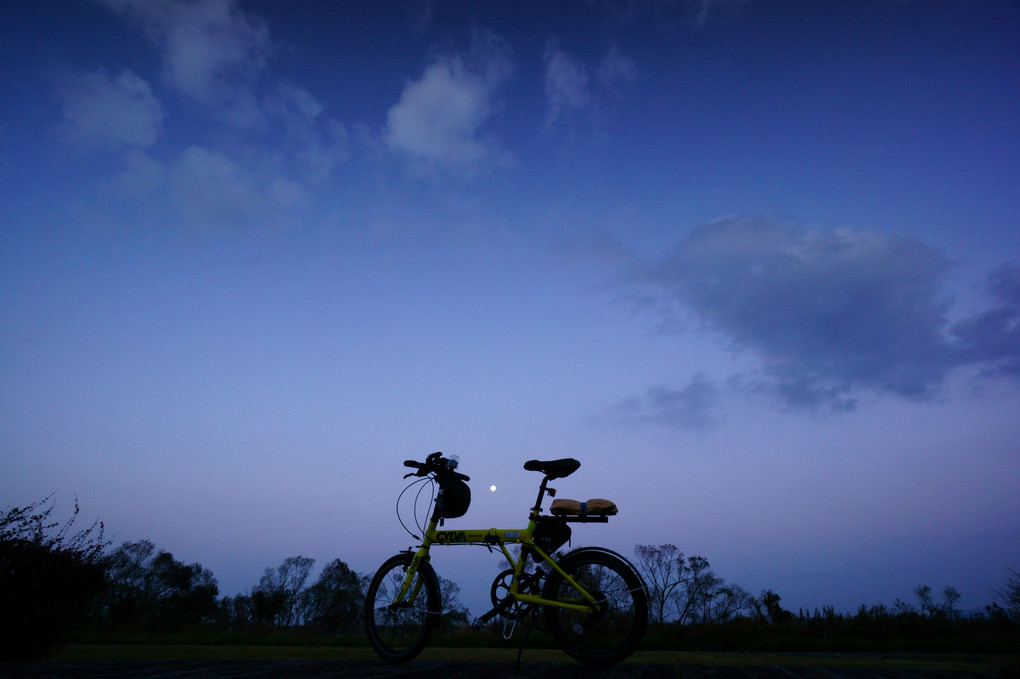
[755, 264]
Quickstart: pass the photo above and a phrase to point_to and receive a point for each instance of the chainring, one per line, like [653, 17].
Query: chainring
[530, 583]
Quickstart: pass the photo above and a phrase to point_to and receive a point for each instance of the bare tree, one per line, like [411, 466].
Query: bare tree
[924, 600]
[698, 591]
[1009, 594]
[950, 598]
[728, 602]
[454, 612]
[665, 571]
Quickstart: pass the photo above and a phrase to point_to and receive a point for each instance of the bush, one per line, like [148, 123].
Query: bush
[49, 578]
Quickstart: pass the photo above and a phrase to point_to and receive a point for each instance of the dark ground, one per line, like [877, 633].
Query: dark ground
[442, 669]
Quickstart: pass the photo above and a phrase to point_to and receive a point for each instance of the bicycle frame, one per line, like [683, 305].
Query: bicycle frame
[500, 537]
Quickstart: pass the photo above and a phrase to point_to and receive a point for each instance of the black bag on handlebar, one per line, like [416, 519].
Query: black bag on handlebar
[454, 499]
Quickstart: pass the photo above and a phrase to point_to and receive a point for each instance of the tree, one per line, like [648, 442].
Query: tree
[49, 577]
[902, 609]
[1008, 596]
[950, 598]
[454, 613]
[684, 589]
[334, 603]
[695, 598]
[237, 612]
[277, 598]
[149, 587]
[664, 571]
[728, 602]
[924, 599]
[775, 613]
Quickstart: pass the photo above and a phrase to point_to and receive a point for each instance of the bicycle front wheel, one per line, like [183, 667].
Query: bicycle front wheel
[398, 630]
[613, 631]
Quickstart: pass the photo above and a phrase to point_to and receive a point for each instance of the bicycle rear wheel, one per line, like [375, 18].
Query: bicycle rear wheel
[398, 631]
[611, 633]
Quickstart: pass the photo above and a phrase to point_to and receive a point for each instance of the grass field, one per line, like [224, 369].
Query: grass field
[920, 661]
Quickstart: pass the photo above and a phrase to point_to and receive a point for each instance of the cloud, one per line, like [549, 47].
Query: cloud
[315, 142]
[992, 337]
[214, 191]
[438, 120]
[830, 313]
[104, 112]
[418, 15]
[142, 177]
[282, 143]
[827, 310]
[570, 90]
[691, 407]
[615, 68]
[566, 83]
[211, 51]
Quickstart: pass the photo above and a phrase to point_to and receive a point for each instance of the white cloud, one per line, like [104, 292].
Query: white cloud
[569, 89]
[142, 177]
[283, 142]
[315, 142]
[211, 50]
[615, 68]
[566, 83]
[438, 118]
[213, 191]
[119, 113]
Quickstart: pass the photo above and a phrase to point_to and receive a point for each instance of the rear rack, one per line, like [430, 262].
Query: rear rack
[574, 518]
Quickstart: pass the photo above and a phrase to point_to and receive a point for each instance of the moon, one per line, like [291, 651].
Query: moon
[492, 488]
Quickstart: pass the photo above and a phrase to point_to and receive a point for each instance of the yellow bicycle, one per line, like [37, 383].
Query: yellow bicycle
[594, 601]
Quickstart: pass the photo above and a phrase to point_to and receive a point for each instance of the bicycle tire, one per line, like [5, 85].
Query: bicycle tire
[399, 634]
[611, 634]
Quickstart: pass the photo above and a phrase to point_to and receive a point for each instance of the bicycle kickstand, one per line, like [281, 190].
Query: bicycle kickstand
[510, 625]
[528, 626]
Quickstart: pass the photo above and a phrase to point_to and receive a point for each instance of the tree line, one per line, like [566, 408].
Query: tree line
[61, 580]
[684, 590]
[693, 608]
[147, 588]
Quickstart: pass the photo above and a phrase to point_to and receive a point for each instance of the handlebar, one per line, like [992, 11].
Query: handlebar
[435, 464]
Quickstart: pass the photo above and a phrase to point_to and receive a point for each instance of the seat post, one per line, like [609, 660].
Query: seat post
[538, 503]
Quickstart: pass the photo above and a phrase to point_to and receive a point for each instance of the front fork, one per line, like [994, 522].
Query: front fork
[411, 586]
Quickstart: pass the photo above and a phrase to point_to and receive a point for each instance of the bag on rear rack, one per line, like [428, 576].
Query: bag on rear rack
[550, 534]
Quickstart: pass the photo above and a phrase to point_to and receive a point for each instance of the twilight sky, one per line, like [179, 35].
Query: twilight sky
[755, 264]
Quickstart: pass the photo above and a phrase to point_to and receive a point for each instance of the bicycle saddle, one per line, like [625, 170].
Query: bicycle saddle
[554, 469]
